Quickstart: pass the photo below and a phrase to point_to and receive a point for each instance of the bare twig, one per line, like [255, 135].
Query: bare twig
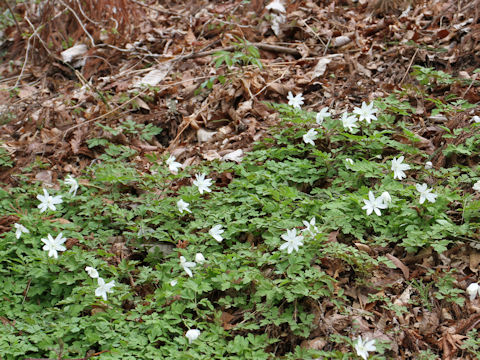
[471, 84]
[162, 10]
[24, 62]
[26, 290]
[104, 115]
[79, 21]
[126, 103]
[261, 46]
[271, 82]
[85, 15]
[409, 66]
[14, 18]
[35, 33]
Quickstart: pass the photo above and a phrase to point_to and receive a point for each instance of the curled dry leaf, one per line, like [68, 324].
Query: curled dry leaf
[399, 264]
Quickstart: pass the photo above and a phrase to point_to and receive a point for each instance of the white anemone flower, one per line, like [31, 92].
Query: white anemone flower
[104, 288]
[310, 137]
[183, 206]
[476, 186]
[217, 232]
[428, 165]
[20, 229]
[187, 265]
[374, 205]
[202, 184]
[173, 166]
[349, 121]
[277, 21]
[366, 112]
[310, 227]
[69, 180]
[387, 199]
[199, 258]
[48, 202]
[363, 347]
[92, 272]
[192, 335]
[472, 290]
[292, 241]
[236, 156]
[276, 5]
[54, 245]
[321, 115]
[399, 169]
[295, 101]
[425, 193]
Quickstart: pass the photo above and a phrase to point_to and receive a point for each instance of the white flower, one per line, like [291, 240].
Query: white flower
[476, 119]
[69, 180]
[276, 5]
[366, 112]
[236, 156]
[202, 183]
[322, 115]
[386, 198]
[277, 20]
[187, 265]
[92, 272]
[310, 226]
[348, 162]
[20, 229]
[363, 347]
[399, 168]
[173, 166]
[373, 204]
[173, 282]
[53, 245]
[472, 290]
[48, 202]
[425, 194]
[476, 186]
[292, 241]
[310, 136]
[199, 258]
[295, 101]
[216, 232]
[103, 288]
[428, 165]
[192, 335]
[349, 121]
[183, 206]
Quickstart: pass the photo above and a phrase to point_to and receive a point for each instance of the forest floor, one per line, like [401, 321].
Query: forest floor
[200, 80]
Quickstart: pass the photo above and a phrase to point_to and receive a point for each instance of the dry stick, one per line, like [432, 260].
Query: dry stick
[27, 50]
[270, 83]
[127, 102]
[85, 15]
[26, 290]
[163, 10]
[35, 33]
[191, 121]
[14, 18]
[78, 19]
[261, 46]
[104, 115]
[314, 33]
[471, 84]
[409, 66]
[24, 63]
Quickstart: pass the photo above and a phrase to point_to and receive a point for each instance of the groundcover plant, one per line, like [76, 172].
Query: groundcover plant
[168, 264]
